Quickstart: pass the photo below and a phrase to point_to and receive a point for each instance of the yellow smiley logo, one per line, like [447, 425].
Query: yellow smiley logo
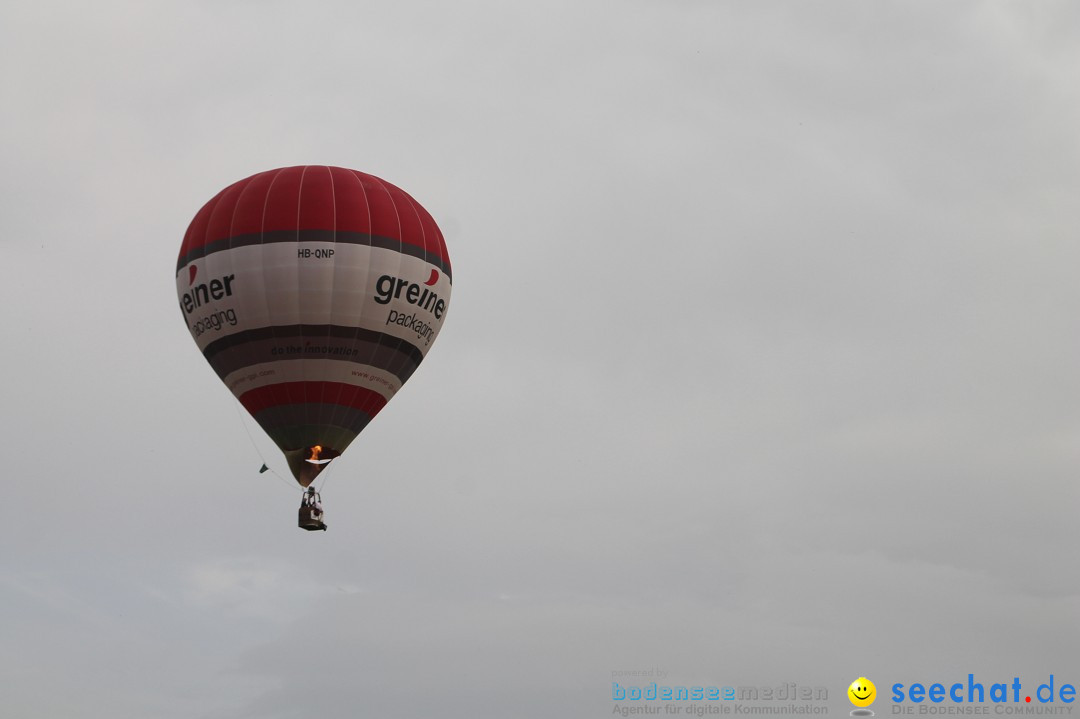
[862, 692]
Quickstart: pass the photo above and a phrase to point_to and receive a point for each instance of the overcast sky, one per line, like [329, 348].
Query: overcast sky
[761, 364]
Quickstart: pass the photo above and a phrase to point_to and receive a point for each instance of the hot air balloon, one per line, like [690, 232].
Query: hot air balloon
[314, 292]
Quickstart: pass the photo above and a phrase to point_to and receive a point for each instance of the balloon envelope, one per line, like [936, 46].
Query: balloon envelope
[314, 292]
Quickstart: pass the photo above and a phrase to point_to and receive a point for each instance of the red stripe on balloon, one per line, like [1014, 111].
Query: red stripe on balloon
[339, 393]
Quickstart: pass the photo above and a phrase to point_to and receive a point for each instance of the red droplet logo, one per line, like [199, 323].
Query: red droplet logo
[433, 279]
[192, 271]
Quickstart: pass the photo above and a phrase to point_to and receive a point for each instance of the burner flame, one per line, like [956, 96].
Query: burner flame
[315, 452]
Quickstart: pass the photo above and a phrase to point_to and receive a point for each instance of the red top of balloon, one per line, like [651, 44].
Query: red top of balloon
[314, 197]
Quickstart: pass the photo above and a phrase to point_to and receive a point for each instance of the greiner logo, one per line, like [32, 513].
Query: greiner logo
[215, 289]
[390, 288]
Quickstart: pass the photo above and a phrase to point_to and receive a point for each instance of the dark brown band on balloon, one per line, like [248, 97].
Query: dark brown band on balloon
[323, 236]
[298, 342]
